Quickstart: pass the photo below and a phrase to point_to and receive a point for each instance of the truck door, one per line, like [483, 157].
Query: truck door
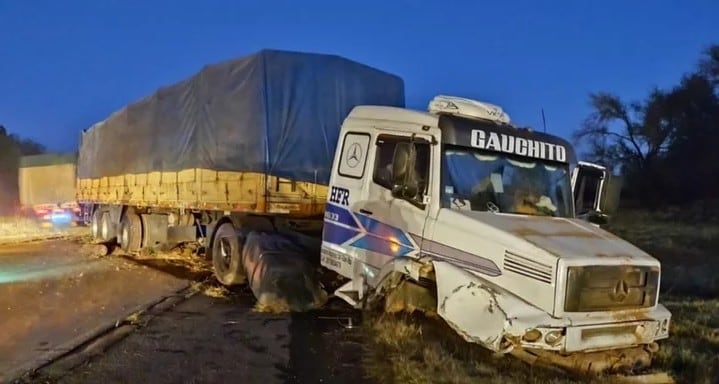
[389, 219]
[364, 222]
[348, 183]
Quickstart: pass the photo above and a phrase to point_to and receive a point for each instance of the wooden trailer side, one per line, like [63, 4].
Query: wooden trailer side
[206, 189]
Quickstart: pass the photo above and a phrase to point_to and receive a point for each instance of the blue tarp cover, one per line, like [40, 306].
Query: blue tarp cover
[275, 112]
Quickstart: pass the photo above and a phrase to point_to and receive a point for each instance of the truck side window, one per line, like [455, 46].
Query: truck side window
[383, 162]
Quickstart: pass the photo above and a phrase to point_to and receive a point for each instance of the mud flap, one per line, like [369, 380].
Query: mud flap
[280, 273]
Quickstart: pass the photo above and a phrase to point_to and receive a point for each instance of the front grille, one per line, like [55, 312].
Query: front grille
[604, 288]
[527, 267]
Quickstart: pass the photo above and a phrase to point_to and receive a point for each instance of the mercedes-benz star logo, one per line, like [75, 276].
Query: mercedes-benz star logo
[354, 155]
[621, 291]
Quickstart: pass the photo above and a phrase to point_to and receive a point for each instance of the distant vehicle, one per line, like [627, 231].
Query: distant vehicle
[46, 185]
[454, 200]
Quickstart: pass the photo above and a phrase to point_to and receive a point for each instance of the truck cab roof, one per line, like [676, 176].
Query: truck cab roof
[482, 133]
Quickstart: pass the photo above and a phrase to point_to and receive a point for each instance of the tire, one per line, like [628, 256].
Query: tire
[106, 227]
[95, 224]
[130, 238]
[227, 256]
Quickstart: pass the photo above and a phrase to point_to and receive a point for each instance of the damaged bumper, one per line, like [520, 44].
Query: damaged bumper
[501, 322]
[593, 337]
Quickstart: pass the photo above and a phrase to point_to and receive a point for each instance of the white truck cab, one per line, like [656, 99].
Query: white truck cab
[485, 212]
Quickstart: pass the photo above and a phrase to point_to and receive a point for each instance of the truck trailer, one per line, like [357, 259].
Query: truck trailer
[46, 185]
[453, 201]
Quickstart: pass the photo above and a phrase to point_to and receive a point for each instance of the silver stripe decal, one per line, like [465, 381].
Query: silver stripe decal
[457, 256]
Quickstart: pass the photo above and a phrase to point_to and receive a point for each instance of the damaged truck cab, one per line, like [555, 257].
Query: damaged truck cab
[482, 214]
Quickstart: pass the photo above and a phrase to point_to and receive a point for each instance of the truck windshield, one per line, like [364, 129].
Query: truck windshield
[480, 180]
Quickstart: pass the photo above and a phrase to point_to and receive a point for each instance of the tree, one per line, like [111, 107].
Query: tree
[628, 136]
[709, 65]
[11, 148]
[28, 147]
[691, 163]
[666, 144]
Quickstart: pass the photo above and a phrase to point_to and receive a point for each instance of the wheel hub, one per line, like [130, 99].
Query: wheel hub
[226, 252]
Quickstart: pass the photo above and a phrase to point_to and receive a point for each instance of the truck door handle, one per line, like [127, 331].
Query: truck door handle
[366, 212]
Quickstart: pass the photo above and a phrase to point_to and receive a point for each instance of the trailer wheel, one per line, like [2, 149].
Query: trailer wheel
[106, 232]
[131, 232]
[226, 255]
[95, 224]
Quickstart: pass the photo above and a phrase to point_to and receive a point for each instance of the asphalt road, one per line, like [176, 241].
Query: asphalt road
[53, 294]
[211, 340]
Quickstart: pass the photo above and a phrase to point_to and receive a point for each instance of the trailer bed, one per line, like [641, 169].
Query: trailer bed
[206, 189]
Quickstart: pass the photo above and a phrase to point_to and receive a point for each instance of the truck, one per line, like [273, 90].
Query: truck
[46, 184]
[453, 203]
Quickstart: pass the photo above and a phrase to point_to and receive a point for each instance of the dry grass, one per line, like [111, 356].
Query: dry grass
[184, 262]
[209, 290]
[687, 249]
[181, 257]
[134, 319]
[686, 241]
[271, 303]
[692, 352]
[299, 298]
[217, 292]
[413, 349]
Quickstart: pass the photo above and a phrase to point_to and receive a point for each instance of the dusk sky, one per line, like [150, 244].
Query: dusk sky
[65, 65]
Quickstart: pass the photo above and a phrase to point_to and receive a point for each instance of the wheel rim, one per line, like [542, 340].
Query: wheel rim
[105, 228]
[227, 256]
[225, 251]
[95, 224]
[95, 229]
[125, 237]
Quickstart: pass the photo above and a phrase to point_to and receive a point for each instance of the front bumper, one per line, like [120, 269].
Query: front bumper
[652, 327]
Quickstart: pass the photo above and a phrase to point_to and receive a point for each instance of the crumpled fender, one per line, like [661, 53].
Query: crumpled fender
[481, 312]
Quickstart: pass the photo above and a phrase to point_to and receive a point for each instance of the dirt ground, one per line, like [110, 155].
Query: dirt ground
[54, 293]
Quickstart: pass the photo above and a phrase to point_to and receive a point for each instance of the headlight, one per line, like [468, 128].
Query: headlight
[532, 335]
[553, 337]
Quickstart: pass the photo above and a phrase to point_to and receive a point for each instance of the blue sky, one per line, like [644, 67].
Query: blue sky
[67, 64]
